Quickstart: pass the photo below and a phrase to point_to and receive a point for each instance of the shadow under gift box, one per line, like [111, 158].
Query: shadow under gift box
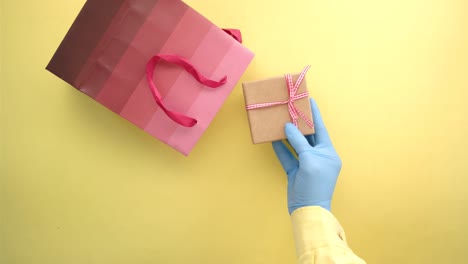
[105, 53]
[267, 123]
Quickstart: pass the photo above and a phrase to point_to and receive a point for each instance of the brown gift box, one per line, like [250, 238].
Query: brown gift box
[267, 124]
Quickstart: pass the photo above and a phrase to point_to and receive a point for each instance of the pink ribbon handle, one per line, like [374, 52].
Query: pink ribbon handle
[177, 117]
[235, 33]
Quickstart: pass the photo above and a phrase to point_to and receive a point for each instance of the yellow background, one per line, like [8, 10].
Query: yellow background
[81, 185]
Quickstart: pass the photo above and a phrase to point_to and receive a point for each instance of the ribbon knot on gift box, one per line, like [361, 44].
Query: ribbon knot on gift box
[292, 89]
[266, 116]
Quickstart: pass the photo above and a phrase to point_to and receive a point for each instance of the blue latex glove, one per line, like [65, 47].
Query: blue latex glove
[312, 176]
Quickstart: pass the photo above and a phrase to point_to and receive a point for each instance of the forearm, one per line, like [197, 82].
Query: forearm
[319, 237]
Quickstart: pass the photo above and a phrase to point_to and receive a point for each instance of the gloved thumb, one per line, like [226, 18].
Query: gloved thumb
[296, 139]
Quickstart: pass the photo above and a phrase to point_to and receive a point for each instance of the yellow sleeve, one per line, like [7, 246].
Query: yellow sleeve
[320, 239]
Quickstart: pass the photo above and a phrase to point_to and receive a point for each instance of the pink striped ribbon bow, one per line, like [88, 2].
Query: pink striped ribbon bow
[292, 88]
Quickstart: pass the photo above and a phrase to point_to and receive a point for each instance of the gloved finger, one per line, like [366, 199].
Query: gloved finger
[286, 158]
[296, 139]
[321, 133]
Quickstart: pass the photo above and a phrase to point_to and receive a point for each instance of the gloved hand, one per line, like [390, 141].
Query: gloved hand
[312, 176]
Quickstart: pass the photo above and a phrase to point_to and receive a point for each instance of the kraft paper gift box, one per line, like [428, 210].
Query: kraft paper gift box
[269, 106]
[108, 54]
